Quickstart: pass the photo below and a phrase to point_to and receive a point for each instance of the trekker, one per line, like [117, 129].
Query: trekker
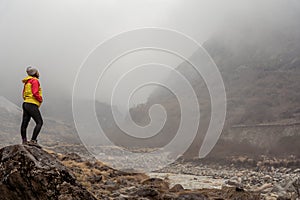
[32, 95]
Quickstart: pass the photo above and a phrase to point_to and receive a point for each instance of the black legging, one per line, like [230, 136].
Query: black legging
[31, 110]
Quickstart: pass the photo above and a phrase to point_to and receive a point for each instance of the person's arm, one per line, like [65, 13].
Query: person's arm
[35, 85]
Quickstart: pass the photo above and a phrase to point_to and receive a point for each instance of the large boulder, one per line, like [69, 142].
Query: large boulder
[27, 172]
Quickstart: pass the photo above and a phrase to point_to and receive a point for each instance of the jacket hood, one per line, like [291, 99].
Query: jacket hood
[27, 78]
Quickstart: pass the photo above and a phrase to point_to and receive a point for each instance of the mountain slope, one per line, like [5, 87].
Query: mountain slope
[260, 66]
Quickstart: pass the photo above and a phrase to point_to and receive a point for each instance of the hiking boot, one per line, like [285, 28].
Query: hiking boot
[24, 142]
[34, 143]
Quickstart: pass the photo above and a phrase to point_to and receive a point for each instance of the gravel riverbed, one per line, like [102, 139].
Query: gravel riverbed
[272, 183]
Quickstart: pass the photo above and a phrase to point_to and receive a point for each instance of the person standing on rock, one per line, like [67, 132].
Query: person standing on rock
[32, 95]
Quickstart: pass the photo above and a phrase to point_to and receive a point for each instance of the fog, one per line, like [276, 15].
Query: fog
[57, 36]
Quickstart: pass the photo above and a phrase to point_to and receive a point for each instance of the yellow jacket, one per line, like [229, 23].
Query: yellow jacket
[32, 92]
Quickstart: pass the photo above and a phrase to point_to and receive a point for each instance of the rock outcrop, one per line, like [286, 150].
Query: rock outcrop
[30, 173]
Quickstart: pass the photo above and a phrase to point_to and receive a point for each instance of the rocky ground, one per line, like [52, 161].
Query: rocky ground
[107, 183]
[272, 178]
[28, 173]
[271, 182]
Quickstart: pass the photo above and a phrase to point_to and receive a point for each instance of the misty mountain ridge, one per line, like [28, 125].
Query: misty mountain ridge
[257, 62]
[9, 106]
[260, 67]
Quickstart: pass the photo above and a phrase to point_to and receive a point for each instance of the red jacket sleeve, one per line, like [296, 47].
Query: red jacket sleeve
[35, 85]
